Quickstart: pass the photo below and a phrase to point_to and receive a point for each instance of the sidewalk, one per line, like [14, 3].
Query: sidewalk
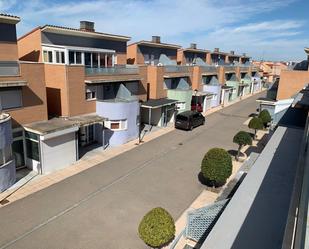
[208, 197]
[89, 160]
[38, 182]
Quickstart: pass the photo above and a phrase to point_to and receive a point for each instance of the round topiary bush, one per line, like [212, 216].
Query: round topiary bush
[216, 166]
[241, 138]
[256, 124]
[265, 116]
[157, 228]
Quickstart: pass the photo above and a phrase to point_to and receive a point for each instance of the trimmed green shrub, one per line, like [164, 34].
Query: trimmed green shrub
[256, 124]
[216, 166]
[265, 116]
[157, 228]
[241, 138]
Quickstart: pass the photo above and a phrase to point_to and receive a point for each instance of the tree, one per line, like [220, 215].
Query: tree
[265, 116]
[241, 138]
[157, 228]
[256, 124]
[216, 166]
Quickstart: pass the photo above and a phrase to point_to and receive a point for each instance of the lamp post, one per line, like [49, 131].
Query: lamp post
[195, 94]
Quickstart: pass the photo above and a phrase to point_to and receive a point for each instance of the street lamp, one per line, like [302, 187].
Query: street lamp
[195, 93]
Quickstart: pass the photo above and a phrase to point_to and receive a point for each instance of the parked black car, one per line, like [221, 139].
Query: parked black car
[189, 119]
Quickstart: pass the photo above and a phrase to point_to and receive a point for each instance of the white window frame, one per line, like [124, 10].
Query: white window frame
[91, 89]
[123, 124]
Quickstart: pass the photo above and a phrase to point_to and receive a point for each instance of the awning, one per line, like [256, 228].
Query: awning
[62, 124]
[157, 103]
[13, 83]
[124, 79]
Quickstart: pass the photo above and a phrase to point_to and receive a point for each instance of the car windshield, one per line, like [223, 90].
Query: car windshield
[183, 118]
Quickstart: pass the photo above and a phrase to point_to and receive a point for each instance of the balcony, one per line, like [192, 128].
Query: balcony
[230, 68]
[176, 69]
[117, 70]
[9, 68]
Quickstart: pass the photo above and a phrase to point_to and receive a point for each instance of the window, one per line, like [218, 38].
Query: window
[78, 58]
[71, 57]
[48, 56]
[90, 92]
[75, 57]
[60, 57]
[5, 154]
[32, 145]
[116, 125]
[10, 98]
[88, 60]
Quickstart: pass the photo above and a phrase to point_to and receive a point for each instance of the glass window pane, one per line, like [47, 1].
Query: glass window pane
[71, 57]
[95, 60]
[109, 60]
[78, 58]
[18, 153]
[88, 59]
[45, 57]
[32, 150]
[32, 135]
[115, 126]
[57, 57]
[62, 57]
[50, 56]
[102, 60]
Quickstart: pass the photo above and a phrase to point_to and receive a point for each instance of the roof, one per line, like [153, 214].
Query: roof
[60, 124]
[156, 44]
[222, 53]
[6, 18]
[78, 32]
[156, 103]
[12, 83]
[195, 50]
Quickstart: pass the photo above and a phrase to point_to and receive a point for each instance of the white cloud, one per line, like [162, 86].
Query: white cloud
[210, 23]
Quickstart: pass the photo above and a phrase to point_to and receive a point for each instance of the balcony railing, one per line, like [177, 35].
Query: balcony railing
[9, 68]
[230, 68]
[177, 69]
[117, 70]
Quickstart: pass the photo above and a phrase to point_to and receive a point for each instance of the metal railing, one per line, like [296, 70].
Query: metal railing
[9, 68]
[125, 69]
[176, 69]
[296, 233]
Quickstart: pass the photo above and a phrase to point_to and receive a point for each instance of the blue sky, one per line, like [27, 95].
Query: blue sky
[265, 29]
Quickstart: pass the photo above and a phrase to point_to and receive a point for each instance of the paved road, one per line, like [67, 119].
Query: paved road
[102, 206]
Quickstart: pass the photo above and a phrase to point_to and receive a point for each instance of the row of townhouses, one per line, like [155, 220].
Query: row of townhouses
[62, 90]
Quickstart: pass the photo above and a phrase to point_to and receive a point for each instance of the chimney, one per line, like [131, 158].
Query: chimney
[86, 26]
[156, 39]
[193, 45]
[244, 54]
[216, 50]
[232, 52]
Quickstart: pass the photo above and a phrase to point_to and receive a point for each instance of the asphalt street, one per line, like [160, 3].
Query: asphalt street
[102, 206]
